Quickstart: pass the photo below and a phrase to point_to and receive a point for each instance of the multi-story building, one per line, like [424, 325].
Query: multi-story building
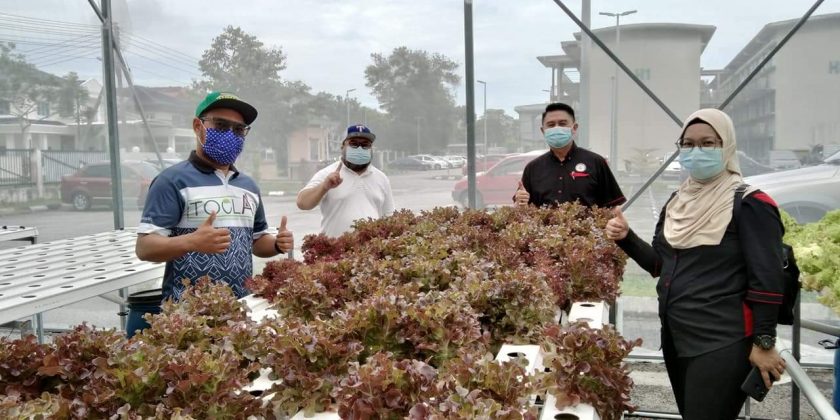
[793, 103]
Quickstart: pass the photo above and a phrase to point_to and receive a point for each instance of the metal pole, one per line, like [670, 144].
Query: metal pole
[470, 85]
[486, 149]
[111, 108]
[796, 338]
[128, 79]
[347, 102]
[815, 397]
[585, 54]
[614, 119]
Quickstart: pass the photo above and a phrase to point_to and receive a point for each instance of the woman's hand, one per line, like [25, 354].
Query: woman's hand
[769, 363]
[617, 228]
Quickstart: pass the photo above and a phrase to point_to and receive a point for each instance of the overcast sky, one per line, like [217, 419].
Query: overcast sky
[328, 42]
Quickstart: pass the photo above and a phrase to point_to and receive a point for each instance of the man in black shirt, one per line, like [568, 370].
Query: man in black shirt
[567, 172]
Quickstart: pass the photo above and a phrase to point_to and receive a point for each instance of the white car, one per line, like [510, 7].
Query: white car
[806, 193]
[455, 161]
[434, 162]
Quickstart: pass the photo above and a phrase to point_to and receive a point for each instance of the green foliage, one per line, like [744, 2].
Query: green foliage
[415, 88]
[816, 247]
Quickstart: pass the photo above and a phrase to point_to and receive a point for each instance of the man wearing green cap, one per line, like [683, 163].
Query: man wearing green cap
[203, 217]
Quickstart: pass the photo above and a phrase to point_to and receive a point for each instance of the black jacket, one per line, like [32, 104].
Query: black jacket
[713, 296]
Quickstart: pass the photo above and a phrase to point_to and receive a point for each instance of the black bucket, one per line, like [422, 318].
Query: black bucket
[140, 304]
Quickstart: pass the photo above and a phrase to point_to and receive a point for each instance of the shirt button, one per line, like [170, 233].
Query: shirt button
[560, 191]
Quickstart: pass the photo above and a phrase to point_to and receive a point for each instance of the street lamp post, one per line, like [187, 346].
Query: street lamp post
[614, 111]
[347, 102]
[484, 84]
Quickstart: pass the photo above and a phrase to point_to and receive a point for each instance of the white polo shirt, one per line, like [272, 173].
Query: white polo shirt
[359, 196]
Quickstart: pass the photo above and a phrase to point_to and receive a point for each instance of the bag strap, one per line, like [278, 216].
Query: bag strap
[736, 205]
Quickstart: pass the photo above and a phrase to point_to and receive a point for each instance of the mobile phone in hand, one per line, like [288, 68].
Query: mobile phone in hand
[754, 385]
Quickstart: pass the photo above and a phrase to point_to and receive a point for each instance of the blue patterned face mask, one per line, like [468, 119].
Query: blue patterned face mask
[223, 147]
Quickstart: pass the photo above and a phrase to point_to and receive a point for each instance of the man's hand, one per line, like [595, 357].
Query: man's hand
[285, 241]
[334, 179]
[617, 227]
[768, 362]
[522, 196]
[209, 240]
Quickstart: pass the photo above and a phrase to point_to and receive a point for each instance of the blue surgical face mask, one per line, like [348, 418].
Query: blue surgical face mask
[358, 155]
[223, 147]
[558, 137]
[702, 164]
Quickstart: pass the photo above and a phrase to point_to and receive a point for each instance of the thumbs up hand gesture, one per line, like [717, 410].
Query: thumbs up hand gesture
[285, 240]
[617, 227]
[522, 196]
[210, 240]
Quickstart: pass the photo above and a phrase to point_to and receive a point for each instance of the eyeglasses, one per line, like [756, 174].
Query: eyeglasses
[222, 124]
[365, 146]
[702, 144]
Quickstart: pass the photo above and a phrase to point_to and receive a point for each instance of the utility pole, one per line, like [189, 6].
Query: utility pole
[614, 162]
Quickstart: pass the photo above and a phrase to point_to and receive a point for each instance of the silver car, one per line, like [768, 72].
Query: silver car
[806, 193]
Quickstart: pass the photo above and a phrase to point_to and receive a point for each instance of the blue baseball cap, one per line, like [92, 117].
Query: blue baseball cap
[359, 131]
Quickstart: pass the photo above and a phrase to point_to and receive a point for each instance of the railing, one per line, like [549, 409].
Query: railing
[16, 167]
[57, 163]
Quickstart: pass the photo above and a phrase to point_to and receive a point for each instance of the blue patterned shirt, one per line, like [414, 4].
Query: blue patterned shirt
[181, 198]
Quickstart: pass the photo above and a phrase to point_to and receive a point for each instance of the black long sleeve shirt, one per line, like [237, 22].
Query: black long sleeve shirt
[711, 296]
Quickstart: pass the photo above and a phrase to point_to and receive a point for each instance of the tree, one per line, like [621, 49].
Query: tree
[416, 89]
[501, 130]
[238, 62]
[28, 90]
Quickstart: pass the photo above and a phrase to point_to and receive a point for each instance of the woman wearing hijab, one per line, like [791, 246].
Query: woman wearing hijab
[720, 282]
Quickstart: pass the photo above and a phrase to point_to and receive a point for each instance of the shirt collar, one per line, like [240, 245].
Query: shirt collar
[569, 155]
[204, 166]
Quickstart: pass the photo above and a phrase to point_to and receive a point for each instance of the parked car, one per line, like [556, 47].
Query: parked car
[750, 166]
[497, 185]
[411, 163]
[455, 161]
[435, 162]
[166, 162]
[806, 193]
[485, 162]
[92, 184]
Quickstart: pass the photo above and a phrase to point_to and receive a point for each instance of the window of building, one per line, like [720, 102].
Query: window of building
[43, 109]
[313, 149]
[5, 107]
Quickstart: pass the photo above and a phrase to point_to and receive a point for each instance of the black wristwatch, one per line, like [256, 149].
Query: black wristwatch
[277, 248]
[764, 341]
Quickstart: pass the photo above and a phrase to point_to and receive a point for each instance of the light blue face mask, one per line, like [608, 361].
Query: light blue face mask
[702, 164]
[358, 155]
[558, 137]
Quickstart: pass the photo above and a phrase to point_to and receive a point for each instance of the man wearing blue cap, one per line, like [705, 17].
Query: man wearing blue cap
[351, 188]
[203, 217]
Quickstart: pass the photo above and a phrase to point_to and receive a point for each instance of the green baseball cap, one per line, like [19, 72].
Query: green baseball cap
[217, 99]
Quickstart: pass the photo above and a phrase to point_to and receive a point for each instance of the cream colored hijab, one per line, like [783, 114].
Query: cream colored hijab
[701, 210]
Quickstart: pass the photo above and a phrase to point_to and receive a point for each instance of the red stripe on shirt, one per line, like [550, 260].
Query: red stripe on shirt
[761, 196]
[765, 293]
[748, 320]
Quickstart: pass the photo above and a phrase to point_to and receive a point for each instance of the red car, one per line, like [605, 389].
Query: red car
[92, 184]
[484, 163]
[497, 185]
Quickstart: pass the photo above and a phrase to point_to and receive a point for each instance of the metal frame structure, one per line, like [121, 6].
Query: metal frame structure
[37, 278]
[19, 233]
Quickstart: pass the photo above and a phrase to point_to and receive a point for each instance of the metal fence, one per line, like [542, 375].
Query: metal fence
[16, 167]
[57, 163]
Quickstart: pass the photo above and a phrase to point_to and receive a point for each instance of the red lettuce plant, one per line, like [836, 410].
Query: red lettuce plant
[384, 388]
[586, 365]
